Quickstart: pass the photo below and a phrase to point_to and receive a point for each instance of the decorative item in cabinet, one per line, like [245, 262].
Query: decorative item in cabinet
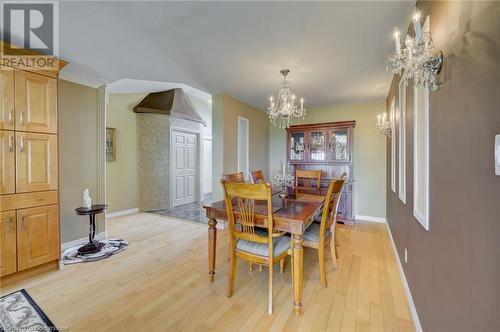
[297, 146]
[316, 146]
[339, 145]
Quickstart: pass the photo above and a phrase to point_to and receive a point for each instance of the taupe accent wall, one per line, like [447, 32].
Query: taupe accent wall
[77, 155]
[453, 269]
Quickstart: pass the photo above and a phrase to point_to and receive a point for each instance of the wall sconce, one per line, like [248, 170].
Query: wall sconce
[384, 125]
[417, 60]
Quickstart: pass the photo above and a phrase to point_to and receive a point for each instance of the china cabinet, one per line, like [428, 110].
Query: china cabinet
[327, 147]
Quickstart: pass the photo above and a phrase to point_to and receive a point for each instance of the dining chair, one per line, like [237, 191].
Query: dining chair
[308, 177]
[234, 177]
[258, 176]
[248, 242]
[320, 236]
[239, 178]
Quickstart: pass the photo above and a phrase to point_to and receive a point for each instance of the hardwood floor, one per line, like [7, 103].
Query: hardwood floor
[160, 283]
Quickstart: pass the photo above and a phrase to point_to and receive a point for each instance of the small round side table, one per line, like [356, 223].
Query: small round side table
[93, 246]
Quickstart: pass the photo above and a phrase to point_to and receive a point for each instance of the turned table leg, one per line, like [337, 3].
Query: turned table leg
[212, 244]
[298, 268]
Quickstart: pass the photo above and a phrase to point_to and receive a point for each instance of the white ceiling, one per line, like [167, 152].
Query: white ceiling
[336, 50]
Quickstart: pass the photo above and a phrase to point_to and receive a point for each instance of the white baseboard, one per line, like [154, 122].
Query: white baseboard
[370, 218]
[413, 309]
[82, 241]
[121, 213]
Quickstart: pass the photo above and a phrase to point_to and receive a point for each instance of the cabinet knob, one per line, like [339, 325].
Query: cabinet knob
[21, 144]
[21, 118]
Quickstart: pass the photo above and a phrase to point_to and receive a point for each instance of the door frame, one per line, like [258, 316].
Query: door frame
[199, 164]
[240, 118]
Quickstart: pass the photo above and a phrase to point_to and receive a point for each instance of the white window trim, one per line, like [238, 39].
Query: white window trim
[402, 140]
[393, 145]
[421, 216]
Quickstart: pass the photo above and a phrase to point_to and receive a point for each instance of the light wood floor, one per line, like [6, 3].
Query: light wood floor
[160, 283]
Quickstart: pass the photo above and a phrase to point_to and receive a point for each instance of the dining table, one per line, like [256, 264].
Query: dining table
[292, 214]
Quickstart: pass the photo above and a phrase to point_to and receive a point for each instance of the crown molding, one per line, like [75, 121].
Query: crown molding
[72, 75]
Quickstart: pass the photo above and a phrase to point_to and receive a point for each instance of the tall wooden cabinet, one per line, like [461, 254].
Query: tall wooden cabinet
[29, 196]
[327, 147]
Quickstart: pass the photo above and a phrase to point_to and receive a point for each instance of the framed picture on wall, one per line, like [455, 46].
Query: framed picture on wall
[110, 144]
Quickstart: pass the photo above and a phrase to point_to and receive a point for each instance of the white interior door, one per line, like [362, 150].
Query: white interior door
[185, 162]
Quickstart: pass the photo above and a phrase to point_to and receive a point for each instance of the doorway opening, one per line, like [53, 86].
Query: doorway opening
[243, 146]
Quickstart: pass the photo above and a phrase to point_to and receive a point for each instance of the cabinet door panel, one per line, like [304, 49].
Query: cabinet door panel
[316, 145]
[296, 146]
[36, 157]
[339, 145]
[7, 162]
[6, 98]
[36, 103]
[8, 249]
[37, 236]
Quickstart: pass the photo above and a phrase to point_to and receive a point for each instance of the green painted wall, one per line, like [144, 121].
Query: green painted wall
[225, 112]
[369, 152]
[121, 174]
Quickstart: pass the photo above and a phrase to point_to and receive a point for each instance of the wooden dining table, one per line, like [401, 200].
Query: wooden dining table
[291, 214]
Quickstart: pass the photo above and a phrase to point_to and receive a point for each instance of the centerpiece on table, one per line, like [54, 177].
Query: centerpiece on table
[283, 179]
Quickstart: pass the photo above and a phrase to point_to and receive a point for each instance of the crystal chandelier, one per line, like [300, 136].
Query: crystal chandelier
[285, 108]
[417, 60]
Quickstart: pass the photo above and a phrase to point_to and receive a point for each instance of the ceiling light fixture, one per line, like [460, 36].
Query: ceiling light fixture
[285, 108]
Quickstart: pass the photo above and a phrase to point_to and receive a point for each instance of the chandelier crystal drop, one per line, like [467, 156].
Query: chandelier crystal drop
[418, 59]
[284, 109]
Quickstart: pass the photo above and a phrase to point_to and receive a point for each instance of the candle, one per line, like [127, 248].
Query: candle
[378, 119]
[397, 40]
[301, 103]
[416, 23]
[383, 118]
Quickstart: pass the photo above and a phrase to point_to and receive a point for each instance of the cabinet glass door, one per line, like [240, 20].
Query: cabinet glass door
[317, 151]
[297, 146]
[339, 147]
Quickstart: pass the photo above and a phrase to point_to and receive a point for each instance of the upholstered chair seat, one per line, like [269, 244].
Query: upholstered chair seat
[312, 232]
[280, 245]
